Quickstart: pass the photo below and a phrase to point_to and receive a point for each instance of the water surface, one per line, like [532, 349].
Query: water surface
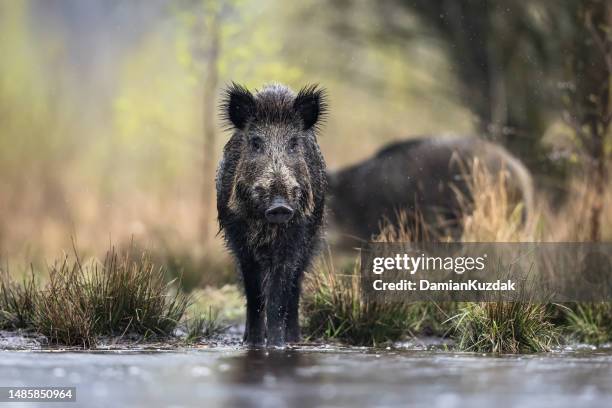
[326, 377]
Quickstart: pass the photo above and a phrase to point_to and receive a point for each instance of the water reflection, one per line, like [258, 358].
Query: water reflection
[273, 378]
[316, 377]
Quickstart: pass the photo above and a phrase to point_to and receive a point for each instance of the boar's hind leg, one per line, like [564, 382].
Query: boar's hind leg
[293, 311]
[254, 332]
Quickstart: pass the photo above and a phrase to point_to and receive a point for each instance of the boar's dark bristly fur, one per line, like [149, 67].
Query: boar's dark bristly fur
[424, 177]
[271, 185]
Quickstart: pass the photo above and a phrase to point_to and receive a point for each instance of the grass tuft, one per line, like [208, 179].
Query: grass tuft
[590, 322]
[336, 310]
[204, 326]
[504, 327]
[17, 301]
[79, 303]
[132, 295]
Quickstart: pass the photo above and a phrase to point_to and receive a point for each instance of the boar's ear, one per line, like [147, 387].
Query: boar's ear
[310, 104]
[238, 105]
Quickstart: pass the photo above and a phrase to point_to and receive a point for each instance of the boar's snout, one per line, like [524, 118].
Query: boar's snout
[279, 212]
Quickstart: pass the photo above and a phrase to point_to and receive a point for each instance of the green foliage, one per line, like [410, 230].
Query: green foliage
[251, 45]
[504, 327]
[156, 113]
[159, 102]
[31, 113]
[589, 322]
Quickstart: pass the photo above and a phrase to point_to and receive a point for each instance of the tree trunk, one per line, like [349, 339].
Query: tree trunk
[599, 181]
[591, 109]
[208, 117]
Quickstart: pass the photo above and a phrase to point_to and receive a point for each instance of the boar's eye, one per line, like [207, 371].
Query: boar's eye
[294, 142]
[256, 143]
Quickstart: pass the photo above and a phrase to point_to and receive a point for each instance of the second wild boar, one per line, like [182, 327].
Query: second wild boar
[421, 177]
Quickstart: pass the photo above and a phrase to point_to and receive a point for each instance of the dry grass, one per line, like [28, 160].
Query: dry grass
[405, 228]
[568, 222]
[526, 326]
[490, 211]
[168, 225]
[81, 302]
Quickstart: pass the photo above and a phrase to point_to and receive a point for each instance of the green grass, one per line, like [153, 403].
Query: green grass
[126, 295]
[334, 309]
[204, 326]
[17, 302]
[227, 300]
[504, 327]
[589, 322]
[80, 303]
[431, 318]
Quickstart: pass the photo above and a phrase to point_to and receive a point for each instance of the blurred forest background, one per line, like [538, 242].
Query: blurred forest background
[109, 125]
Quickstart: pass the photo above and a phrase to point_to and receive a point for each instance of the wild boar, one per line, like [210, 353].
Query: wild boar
[271, 185]
[424, 177]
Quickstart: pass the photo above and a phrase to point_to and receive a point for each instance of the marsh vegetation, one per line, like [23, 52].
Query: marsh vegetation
[110, 135]
[76, 302]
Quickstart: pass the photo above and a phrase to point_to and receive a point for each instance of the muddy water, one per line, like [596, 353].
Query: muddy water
[326, 377]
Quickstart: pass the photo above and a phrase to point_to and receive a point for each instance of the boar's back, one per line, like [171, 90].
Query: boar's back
[415, 176]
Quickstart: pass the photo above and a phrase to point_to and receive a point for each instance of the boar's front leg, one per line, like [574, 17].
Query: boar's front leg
[254, 332]
[278, 293]
[292, 334]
